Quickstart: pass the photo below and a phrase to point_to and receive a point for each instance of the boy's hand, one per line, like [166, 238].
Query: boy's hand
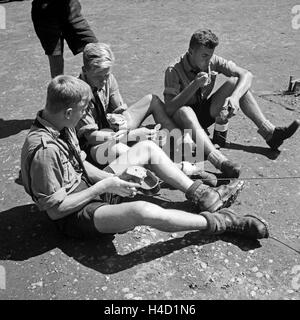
[120, 134]
[232, 106]
[123, 188]
[142, 133]
[202, 78]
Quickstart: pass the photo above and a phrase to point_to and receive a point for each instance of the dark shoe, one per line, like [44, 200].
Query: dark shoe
[282, 133]
[249, 226]
[230, 169]
[226, 220]
[213, 199]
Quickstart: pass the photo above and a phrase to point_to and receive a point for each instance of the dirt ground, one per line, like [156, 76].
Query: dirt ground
[38, 263]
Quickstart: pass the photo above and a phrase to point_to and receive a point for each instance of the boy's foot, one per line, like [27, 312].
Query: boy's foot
[226, 220]
[282, 133]
[213, 199]
[230, 169]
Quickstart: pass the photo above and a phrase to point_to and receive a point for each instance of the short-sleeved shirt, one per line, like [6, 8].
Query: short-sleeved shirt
[110, 98]
[180, 74]
[54, 171]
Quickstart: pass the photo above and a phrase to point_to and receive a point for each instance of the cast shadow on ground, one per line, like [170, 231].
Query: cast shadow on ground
[267, 152]
[12, 127]
[25, 233]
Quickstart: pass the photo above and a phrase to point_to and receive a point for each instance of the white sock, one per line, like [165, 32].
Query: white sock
[216, 158]
[266, 130]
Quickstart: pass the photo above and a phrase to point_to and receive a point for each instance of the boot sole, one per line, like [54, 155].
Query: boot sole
[229, 199]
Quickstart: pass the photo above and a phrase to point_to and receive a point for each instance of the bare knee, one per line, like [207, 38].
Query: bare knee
[184, 112]
[149, 98]
[141, 211]
[144, 212]
[185, 115]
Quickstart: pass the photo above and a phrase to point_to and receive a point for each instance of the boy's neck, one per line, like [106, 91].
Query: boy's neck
[54, 119]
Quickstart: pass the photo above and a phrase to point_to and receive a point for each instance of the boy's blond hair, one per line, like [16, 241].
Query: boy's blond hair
[98, 55]
[64, 92]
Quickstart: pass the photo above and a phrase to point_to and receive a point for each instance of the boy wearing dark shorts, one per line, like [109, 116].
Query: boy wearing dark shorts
[58, 20]
[83, 200]
[192, 104]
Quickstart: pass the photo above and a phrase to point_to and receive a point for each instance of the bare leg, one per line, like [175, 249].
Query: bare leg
[56, 65]
[126, 216]
[149, 104]
[185, 118]
[248, 103]
[147, 153]
[107, 152]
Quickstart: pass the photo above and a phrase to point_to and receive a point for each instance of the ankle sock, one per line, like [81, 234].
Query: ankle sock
[216, 158]
[266, 130]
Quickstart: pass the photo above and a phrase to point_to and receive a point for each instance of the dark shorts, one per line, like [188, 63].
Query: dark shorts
[202, 112]
[80, 224]
[56, 20]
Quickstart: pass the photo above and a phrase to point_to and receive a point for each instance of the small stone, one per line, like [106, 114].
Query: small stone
[270, 261]
[125, 289]
[252, 293]
[259, 275]
[203, 265]
[290, 291]
[254, 269]
[267, 276]
[52, 253]
[251, 251]
[273, 212]
[226, 261]
[129, 296]
[104, 288]
[239, 280]
[168, 294]
[174, 235]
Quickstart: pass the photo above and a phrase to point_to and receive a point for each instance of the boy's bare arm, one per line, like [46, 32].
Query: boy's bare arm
[244, 82]
[76, 201]
[181, 99]
[94, 173]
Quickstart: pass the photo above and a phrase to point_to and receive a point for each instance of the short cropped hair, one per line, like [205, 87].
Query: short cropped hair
[203, 37]
[64, 92]
[98, 55]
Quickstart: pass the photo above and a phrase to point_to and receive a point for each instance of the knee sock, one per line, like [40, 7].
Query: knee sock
[266, 130]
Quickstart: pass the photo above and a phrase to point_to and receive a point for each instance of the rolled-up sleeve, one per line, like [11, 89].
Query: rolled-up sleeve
[87, 124]
[172, 84]
[47, 178]
[221, 65]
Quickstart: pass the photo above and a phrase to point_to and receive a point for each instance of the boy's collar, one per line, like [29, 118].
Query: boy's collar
[48, 126]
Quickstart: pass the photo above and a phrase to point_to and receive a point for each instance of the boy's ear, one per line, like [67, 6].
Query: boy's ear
[68, 113]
